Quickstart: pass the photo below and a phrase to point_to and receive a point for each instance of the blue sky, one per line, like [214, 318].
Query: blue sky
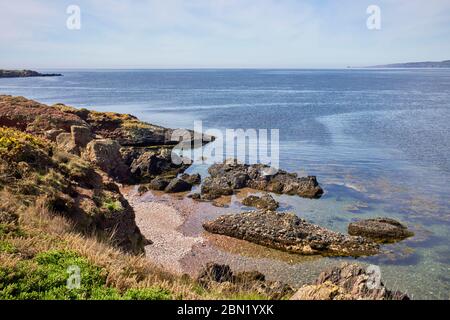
[221, 33]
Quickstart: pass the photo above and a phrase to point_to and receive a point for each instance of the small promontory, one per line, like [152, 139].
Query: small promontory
[25, 74]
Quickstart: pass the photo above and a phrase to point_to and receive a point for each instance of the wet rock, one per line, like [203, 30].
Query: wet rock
[142, 189]
[231, 175]
[178, 185]
[159, 183]
[195, 196]
[213, 188]
[266, 201]
[193, 179]
[380, 229]
[347, 282]
[286, 231]
[105, 154]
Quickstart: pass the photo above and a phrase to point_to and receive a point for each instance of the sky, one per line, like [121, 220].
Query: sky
[221, 33]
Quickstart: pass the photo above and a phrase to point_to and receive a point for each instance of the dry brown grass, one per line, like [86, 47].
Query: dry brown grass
[46, 231]
[43, 230]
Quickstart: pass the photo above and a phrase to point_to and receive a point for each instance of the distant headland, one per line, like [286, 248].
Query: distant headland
[25, 74]
[423, 64]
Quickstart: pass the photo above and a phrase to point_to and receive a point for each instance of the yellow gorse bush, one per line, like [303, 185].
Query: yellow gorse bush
[13, 142]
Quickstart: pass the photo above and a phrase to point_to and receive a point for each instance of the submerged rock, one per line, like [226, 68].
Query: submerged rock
[380, 229]
[347, 282]
[266, 201]
[230, 175]
[286, 231]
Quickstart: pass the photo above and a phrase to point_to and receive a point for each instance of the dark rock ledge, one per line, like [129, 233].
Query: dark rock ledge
[286, 231]
[229, 176]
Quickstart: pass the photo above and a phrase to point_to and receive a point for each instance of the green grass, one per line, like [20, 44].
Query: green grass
[7, 247]
[112, 205]
[46, 277]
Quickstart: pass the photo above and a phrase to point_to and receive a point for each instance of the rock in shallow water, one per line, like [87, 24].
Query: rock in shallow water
[286, 231]
[380, 229]
[266, 201]
[347, 282]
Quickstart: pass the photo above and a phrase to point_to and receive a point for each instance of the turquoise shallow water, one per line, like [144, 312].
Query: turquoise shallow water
[378, 141]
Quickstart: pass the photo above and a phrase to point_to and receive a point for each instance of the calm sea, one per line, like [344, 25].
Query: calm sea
[378, 141]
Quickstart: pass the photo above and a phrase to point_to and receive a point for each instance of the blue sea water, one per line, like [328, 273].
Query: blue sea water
[377, 140]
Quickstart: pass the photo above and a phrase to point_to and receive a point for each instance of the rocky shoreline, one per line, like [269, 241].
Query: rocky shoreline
[75, 160]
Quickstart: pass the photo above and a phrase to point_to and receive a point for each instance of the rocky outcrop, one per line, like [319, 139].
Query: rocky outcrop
[34, 169]
[127, 129]
[146, 165]
[230, 175]
[105, 153]
[145, 148]
[25, 74]
[222, 278]
[286, 231]
[348, 282]
[380, 229]
[75, 141]
[33, 117]
[266, 201]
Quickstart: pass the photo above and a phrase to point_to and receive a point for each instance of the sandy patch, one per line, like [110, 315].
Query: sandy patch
[159, 223]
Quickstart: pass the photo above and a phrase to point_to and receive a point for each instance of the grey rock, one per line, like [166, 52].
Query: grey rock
[380, 229]
[286, 231]
[266, 201]
[178, 185]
